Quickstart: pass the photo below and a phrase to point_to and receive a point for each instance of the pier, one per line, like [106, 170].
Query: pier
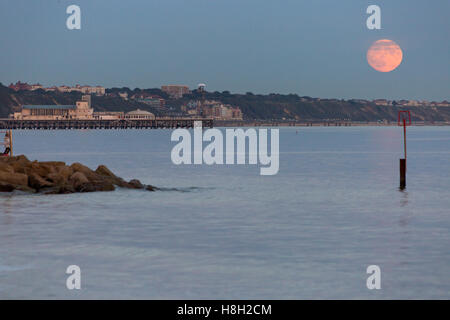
[158, 123]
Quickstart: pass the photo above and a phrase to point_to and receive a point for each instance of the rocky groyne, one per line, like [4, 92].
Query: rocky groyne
[54, 177]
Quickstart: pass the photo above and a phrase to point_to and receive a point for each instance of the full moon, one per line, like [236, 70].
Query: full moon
[384, 55]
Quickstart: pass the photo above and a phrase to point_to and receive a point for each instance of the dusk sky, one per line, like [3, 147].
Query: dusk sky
[311, 48]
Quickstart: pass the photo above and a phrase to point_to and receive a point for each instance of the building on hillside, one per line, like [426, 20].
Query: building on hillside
[64, 88]
[155, 102]
[444, 103]
[97, 90]
[380, 102]
[212, 109]
[175, 91]
[81, 110]
[123, 95]
[36, 86]
[139, 115]
[20, 86]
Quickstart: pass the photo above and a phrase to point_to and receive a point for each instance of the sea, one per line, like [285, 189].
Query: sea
[226, 232]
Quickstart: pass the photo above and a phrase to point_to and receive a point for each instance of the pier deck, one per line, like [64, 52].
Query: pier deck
[161, 123]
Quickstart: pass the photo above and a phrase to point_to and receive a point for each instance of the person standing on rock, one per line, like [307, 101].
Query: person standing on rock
[7, 144]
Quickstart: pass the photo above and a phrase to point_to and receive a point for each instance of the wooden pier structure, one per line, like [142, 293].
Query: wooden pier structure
[158, 123]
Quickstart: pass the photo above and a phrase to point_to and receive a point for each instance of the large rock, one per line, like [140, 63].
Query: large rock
[53, 163]
[42, 170]
[6, 187]
[21, 159]
[135, 184]
[101, 186]
[37, 182]
[107, 175]
[6, 167]
[17, 179]
[104, 171]
[63, 173]
[62, 189]
[20, 164]
[90, 174]
[78, 179]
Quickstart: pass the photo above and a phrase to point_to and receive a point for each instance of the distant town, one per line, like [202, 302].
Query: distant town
[82, 110]
[178, 91]
[23, 101]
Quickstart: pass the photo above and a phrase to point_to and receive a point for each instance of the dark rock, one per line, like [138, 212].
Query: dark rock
[37, 182]
[135, 184]
[6, 187]
[61, 189]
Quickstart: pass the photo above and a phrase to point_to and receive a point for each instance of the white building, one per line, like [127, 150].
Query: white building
[139, 115]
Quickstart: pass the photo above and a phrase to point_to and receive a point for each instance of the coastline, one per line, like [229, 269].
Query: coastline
[287, 123]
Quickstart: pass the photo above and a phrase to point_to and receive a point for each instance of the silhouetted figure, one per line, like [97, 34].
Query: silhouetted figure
[7, 144]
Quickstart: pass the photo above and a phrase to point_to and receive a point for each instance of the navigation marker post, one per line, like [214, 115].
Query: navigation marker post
[402, 116]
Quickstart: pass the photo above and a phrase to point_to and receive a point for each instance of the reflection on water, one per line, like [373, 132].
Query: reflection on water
[404, 198]
[226, 232]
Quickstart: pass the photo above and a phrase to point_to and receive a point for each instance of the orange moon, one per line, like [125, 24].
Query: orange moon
[384, 55]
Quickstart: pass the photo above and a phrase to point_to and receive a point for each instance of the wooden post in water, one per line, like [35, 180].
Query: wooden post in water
[402, 174]
[403, 161]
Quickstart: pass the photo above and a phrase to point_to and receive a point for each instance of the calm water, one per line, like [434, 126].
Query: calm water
[309, 232]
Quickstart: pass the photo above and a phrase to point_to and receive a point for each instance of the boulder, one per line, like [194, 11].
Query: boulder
[6, 167]
[78, 179]
[65, 172]
[21, 159]
[85, 187]
[62, 189]
[135, 184]
[26, 189]
[37, 182]
[107, 175]
[88, 173]
[6, 187]
[39, 169]
[21, 165]
[17, 179]
[53, 163]
[104, 171]
[105, 186]
[57, 179]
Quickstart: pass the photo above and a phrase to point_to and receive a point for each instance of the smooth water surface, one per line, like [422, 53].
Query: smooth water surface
[226, 232]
